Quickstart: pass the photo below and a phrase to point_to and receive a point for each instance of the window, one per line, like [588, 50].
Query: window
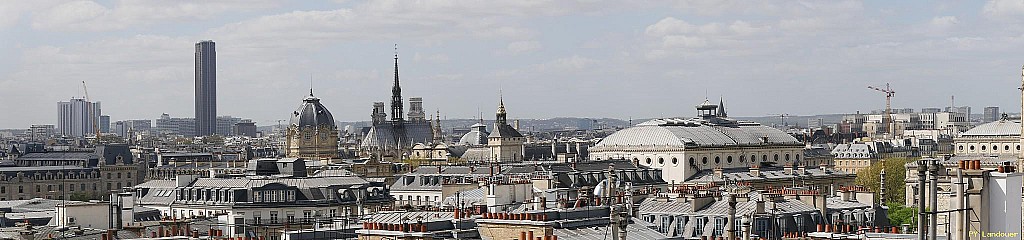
[983, 147]
[21, 189]
[743, 158]
[256, 218]
[693, 162]
[961, 147]
[704, 160]
[1006, 148]
[764, 158]
[273, 217]
[661, 161]
[776, 157]
[307, 216]
[728, 159]
[38, 188]
[675, 161]
[700, 223]
[719, 226]
[787, 157]
[118, 175]
[290, 216]
[972, 147]
[3, 189]
[648, 161]
[129, 175]
[718, 160]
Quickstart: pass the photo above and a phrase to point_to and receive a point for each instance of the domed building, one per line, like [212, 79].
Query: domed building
[477, 135]
[712, 148]
[994, 143]
[312, 133]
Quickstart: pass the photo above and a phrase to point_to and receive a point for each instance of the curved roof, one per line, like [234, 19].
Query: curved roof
[476, 136]
[697, 133]
[1004, 127]
[311, 113]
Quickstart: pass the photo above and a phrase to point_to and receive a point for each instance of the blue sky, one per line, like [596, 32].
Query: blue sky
[581, 58]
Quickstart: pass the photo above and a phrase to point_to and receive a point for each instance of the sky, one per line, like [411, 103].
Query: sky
[546, 58]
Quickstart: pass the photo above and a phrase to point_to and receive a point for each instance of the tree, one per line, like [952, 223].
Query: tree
[899, 214]
[895, 176]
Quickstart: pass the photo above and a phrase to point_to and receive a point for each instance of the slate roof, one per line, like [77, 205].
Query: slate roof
[637, 229]
[504, 131]
[311, 114]
[387, 137]
[742, 174]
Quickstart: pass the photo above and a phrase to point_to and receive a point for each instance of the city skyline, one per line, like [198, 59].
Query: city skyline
[603, 59]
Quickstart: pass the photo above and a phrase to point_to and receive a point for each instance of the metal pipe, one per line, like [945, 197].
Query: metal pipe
[961, 210]
[921, 171]
[933, 230]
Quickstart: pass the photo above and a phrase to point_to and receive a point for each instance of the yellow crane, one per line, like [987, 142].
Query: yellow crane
[887, 119]
[92, 114]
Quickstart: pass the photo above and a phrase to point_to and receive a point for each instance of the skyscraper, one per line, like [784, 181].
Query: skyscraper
[992, 114]
[77, 117]
[206, 88]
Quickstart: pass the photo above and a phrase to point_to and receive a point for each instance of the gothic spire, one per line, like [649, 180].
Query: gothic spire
[721, 108]
[500, 116]
[396, 95]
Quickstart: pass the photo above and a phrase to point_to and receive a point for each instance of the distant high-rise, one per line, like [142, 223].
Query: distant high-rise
[104, 124]
[992, 114]
[77, 117]
[206, 88]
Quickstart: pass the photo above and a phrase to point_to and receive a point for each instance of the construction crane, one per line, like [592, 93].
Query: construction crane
[783, 116]
[887, 119]
[92, 114]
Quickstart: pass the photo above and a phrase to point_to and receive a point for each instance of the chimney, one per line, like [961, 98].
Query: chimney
[700, 201]
[755, 170]
[788, 169]
[718, 173]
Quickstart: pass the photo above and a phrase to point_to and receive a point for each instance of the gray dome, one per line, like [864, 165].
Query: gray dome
[311, 113]
[476, 136]
[1003, 127]
[697, 133]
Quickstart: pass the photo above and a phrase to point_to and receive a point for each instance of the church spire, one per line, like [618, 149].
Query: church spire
[721, 108]
[396, 95]
[500, 116]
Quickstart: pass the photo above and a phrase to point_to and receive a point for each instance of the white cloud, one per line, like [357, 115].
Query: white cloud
[431, 58]
[83, 15]
[1003, 8]
[520, 47]
[565, 65]
[944, 21]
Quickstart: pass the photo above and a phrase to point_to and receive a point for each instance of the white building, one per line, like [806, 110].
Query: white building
[78, 117]
[681, 148]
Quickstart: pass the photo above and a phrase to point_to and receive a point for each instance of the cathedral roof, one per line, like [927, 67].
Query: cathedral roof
[311, 113]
